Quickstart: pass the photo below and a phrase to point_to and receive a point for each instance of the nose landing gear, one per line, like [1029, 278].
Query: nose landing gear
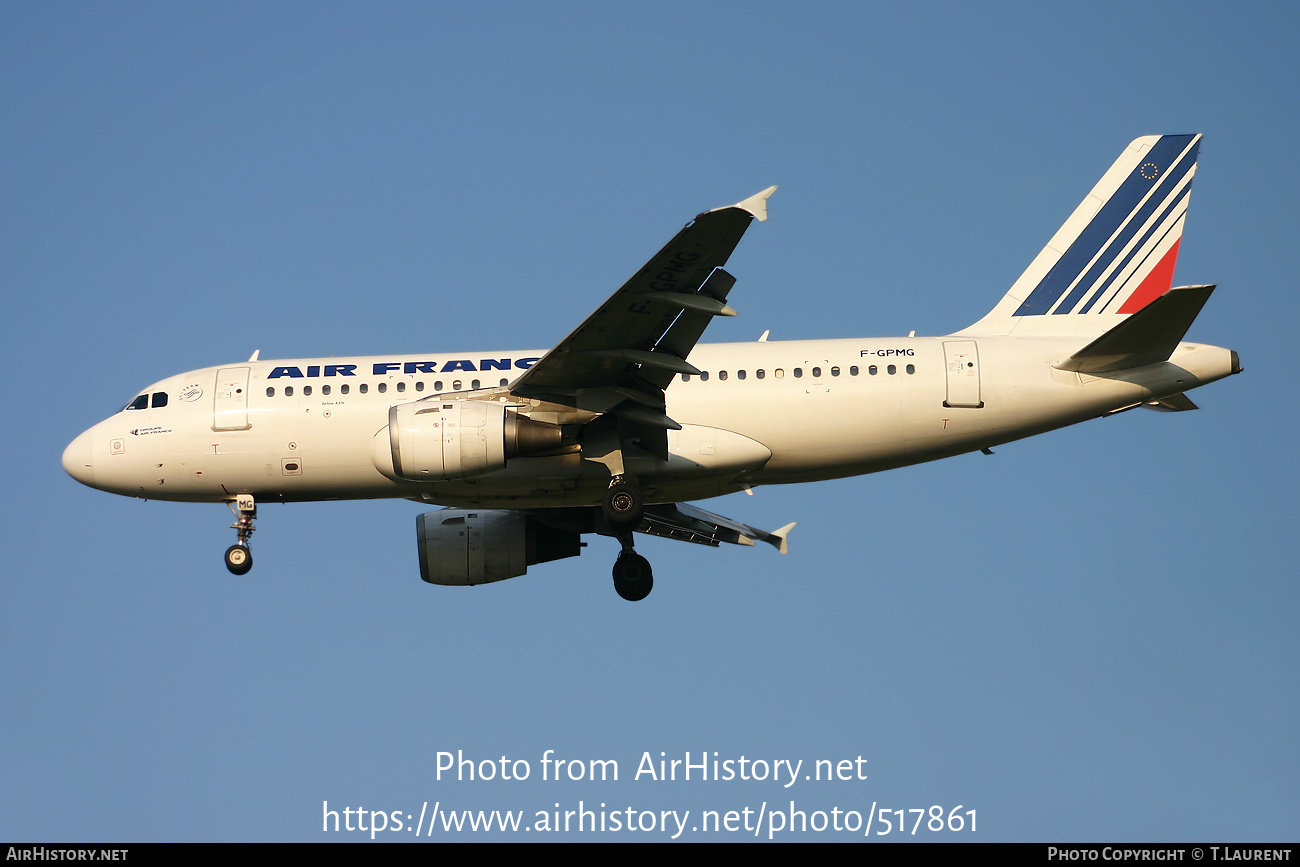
[239, 559]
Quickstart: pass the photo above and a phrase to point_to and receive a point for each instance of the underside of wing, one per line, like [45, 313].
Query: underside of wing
[622, 357]
[687, 523]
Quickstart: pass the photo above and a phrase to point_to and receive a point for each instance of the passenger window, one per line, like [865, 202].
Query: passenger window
[798, 373]
[159, 399]
[704, 376]
[343, 389]
[853, 371]
[324, 389]
[780, 373]
[740, 374]
[455, 385]
[306, 391]
[872, 370]
[686, 377]
[288, 391]
[401, 386]
[722, 375]
[141, 402]
[817, 372]
[911, 368]
[270, 392]
[365, 387]
[474, 385]
[419, 386]
[835, 371]
[437, 386]
[504, 382]
[892, 369]
[760, 373]
[383, 387]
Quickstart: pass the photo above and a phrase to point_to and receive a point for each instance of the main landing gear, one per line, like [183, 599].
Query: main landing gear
[622, 508]
[633, 577]
[623, 505]
[238, 558]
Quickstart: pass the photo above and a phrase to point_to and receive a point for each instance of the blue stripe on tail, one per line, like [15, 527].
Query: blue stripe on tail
[1118, 210]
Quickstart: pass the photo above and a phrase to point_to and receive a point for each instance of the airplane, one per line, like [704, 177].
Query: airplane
[628, 417]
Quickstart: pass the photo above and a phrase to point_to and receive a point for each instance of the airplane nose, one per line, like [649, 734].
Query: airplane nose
[78, 459]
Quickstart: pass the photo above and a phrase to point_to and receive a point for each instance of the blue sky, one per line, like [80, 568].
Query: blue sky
[1088, 636]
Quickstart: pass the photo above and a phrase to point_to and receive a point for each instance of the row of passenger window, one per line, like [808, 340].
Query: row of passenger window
[381, 388]
[779, 373]
[159, 398]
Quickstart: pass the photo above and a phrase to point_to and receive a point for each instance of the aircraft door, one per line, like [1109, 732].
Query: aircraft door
[961, 358]
[230, 399]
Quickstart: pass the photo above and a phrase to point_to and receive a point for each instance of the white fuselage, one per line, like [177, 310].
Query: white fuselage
[768, 413]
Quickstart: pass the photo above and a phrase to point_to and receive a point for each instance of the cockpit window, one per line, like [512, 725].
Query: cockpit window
[159, 399]
[141, 402]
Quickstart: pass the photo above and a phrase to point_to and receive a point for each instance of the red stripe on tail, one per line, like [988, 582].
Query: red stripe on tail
[1157, 283]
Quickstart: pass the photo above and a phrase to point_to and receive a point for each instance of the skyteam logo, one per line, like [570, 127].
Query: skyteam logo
[1124, 257]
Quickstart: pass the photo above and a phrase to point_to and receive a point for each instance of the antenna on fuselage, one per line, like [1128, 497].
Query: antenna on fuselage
[253, 357]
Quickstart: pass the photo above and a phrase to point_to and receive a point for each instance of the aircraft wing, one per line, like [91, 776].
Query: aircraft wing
[688, 523]
[623, 356]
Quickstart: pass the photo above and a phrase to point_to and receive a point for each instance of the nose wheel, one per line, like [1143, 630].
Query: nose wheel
[239, 559]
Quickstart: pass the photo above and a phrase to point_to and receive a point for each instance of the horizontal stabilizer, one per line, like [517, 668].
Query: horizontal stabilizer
[1149, 336]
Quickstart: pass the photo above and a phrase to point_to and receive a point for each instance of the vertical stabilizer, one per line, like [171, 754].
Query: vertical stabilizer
[1114, 255]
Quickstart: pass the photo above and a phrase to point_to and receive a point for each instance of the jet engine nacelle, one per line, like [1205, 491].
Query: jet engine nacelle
[450, 439]
[477, 546]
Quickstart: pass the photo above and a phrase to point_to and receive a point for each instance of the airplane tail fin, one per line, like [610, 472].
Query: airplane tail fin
[1114, 255]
